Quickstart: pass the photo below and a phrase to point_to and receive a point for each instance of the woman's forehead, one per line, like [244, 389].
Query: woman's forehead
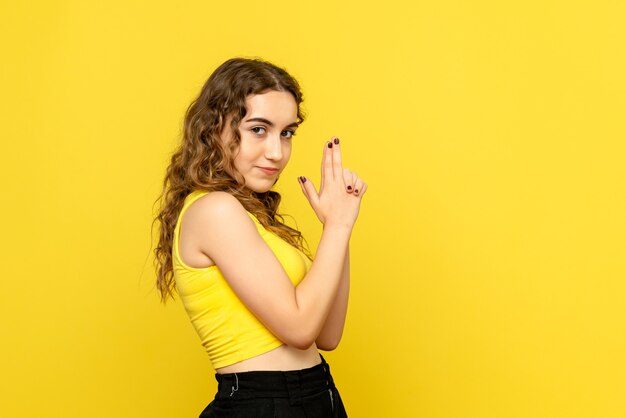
[279, 107]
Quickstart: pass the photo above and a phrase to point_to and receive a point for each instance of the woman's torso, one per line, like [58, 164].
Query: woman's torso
[192, 259]
[282, 358]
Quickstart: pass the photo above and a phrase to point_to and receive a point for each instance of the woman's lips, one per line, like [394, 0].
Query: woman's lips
[268, 170]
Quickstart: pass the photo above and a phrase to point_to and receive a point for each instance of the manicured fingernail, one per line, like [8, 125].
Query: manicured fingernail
[302, 179]
[349, 187]
[356, 191]
[330, 145]
[336, 140]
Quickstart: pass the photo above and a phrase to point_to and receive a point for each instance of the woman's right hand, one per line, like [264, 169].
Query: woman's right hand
[338, 201]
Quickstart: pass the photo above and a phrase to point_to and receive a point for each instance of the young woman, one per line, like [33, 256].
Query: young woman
[261, 306]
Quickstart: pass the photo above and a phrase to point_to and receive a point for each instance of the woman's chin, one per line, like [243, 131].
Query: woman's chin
[260, 187]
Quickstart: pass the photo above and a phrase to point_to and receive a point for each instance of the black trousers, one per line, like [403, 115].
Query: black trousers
[309, 393]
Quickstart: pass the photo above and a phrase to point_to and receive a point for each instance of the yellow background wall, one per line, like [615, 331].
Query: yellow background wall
[489, 258]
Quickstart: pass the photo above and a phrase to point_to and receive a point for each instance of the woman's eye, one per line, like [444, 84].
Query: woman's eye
[288, 134]
[258, 130]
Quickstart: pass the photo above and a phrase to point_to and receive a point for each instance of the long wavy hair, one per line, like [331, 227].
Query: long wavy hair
[204, 162]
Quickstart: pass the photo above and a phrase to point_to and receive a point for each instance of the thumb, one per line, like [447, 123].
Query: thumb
[309, 191]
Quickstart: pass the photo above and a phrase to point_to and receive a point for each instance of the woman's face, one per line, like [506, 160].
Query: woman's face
[266, 132]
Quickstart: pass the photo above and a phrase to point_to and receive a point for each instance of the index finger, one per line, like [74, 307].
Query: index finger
[337, 167]
[327, 165]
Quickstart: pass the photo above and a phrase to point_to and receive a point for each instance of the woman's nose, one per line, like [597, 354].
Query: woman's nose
[273, 148]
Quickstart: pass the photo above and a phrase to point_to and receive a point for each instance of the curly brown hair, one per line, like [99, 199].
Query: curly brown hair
[203, 162]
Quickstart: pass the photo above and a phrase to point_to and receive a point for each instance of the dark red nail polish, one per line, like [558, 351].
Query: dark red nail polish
[302, 179]
[336, 140]
[356, 190]
[349, 187]
[330, 145]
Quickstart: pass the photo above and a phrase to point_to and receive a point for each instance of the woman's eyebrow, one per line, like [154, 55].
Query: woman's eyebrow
[270, 123]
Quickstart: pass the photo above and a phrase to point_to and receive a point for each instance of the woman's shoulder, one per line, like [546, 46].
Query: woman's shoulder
[219, 211]
[215, 219]
[214, 207]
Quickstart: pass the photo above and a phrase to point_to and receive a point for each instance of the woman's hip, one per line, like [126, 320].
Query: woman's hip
[307, 393]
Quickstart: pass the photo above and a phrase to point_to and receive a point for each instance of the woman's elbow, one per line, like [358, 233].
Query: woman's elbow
[301, 341]
[305, 343]
[328, 344]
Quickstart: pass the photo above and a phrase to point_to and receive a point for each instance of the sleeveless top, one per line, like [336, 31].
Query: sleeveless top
[228, 331]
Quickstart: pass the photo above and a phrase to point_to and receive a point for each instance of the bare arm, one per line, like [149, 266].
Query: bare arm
[332, 330]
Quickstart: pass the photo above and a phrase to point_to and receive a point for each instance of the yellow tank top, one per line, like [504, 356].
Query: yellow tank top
[227, 329]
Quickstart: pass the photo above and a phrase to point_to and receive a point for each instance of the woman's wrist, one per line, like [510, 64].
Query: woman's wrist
[339, 227]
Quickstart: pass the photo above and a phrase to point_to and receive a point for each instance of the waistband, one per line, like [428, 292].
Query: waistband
[291, 384]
